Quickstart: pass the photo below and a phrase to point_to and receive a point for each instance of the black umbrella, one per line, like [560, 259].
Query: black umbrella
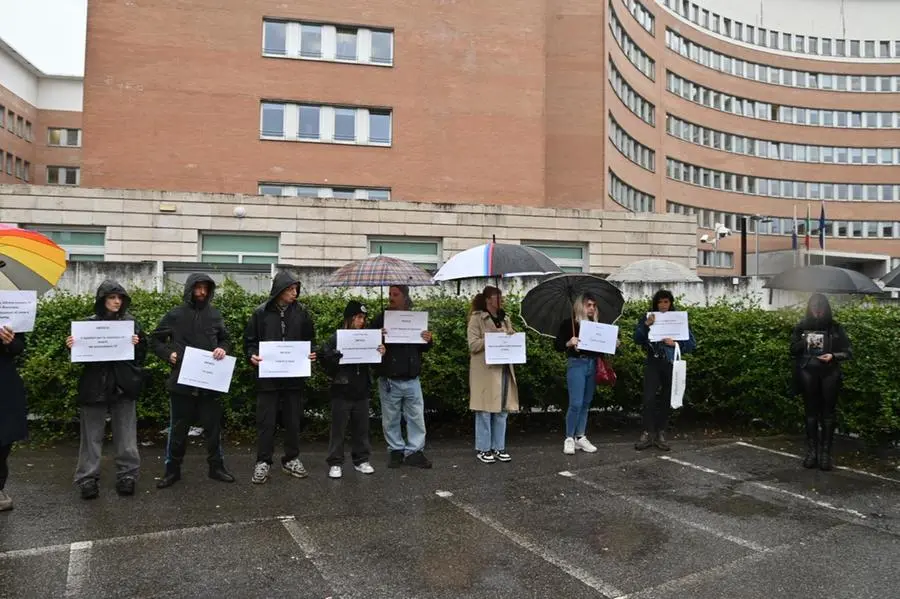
[550, 303]
[823, 279]
[892, 279]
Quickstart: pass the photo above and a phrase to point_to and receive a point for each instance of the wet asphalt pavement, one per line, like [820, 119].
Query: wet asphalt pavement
[711, 519]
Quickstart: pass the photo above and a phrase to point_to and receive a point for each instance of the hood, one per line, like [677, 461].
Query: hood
[110, 287]
[823, 322]
[192, 280]
[282, 281]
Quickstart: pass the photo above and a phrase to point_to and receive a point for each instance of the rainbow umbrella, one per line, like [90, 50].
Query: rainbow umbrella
[29, 261]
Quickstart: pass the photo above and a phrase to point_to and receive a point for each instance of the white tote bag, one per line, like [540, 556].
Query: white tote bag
[679, 378]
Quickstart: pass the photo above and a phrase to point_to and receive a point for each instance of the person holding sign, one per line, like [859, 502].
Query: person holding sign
[13, 407]
[819, 346]
[197, 324]
[280, 318]
[493, 391]
[350, 387]
[658, 371]
[110, 387]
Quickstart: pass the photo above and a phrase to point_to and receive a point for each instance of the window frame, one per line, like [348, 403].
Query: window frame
[241, 255]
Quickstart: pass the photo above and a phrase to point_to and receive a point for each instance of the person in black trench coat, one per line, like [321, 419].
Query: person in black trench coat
[13, 408]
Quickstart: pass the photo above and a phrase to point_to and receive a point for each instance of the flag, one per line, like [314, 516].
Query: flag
[806, 240]
[794, 231]
[822, 226]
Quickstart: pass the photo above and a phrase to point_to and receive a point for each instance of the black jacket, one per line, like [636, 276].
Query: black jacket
[835, 342]
[563, 336]
[269, 323]
[105, 382]
[189, 325]
[354, 380]
[401, 360]
[13, 408]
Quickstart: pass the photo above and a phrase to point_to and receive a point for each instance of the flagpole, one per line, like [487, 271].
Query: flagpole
[795, 243]
[822, 232]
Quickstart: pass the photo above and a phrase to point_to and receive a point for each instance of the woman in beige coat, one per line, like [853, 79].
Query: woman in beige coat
[493, 390]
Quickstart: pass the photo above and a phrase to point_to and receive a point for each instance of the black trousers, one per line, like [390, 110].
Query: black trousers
[657, 394]
[203, 408]
[349, 408]
[267, 404]
[4, 466]
[820, 391]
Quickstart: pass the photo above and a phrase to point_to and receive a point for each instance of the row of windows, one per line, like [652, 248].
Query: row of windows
[778, 76]
[640, 13]
[706, 219]
[635, 151]
[321, 123]
[715, 259]
[777, 150]
[315, 41]
[767, 111]
[15, 124]
[636, 56]
[635, 102]
[787, 42]
[780, 188]
[15, 167]
[316, 191]
[624, 194]
[64, 137]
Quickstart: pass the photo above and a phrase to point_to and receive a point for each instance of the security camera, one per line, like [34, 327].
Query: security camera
[723, 231]
[704, 238]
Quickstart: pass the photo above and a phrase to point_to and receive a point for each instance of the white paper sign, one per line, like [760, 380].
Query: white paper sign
[359, 346]
[17, 310]
[673, 325]
[200, 369]
[102, 340]
[284, 359]
[597, 337]
[405, 327]
[502, 348]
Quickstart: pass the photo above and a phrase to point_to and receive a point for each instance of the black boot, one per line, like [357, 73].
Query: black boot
[826, 462]
[172, 476]
[812, 443]
[220, 473]
[645, 441]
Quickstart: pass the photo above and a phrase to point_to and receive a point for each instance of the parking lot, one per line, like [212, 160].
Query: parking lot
[711, 519]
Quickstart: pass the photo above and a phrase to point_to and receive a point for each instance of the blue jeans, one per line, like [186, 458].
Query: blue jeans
[402, 399]
[580, 377]
[490, 431]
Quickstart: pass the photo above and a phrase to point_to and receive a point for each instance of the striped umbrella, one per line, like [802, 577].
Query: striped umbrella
[378, 271]
[496, 260]
[29, 261]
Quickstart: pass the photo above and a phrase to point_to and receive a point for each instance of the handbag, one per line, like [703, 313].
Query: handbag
[605, 374]
[679, 379]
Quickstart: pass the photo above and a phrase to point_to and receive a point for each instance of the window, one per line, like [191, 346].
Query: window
[569, 258]
[272, 120]
[10, 121]
[379, 127]
[424, 253]
[275, 38]
[9, 163]
[64, 137]
[344, 124]
[636, 103]
[311, 41]
[238, 249]
[346, 44]
[20, 126]
[20, 171]
[63, 175]
[870, 49]
[634, 199]
[713, 259]
[325, 123]
[309, 122]
[315, 41]
[314, 191]
[26, 171]
[27, 132]
[2, 116]
[81, 245]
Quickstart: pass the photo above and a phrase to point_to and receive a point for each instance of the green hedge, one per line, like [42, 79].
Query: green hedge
[740, 372]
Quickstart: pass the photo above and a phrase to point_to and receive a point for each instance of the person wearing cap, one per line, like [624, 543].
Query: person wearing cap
[350, 388]
[279, 318]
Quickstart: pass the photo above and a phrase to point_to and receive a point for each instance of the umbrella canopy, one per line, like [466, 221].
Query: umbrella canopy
[892, 279]
[823, 279]
[496, 260]
[548, 305]
[379, 271]
[29, 261]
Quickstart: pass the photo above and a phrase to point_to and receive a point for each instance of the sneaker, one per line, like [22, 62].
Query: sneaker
[125, 486]
[584, 445]
[569, 446]
[486, 457]
[295, 468]
[502, 456]
[365, 468]
[89, 489]
[418, 460]
[396, 458]
[260, 473]
[6, 502]
[644, 442]
[660, 442]
[335, 472]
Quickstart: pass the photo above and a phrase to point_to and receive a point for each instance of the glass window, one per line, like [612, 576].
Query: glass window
[870, 49]
[309, 122]
[813, 47]
[343, 193]
[275, 38]
[840, 48]
[73, 137]
[81, 245]
[239, 249]
[425, 254]
[884, 49]
[379, 126]
[378, 194]
[886, 156]
[346, 44]
[71, 176]
[871, 156]
[857, 228]
[569, 258]
[856, 155]
[826, 46]
[382, 47]
[54, 137]
[271, 190]
[311, 41]
[272, 120]
[345, 124]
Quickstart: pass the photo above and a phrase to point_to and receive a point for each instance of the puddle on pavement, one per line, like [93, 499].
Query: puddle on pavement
[736, 505]
[626, 538]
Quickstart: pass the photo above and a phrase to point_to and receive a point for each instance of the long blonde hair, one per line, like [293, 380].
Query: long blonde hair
[580, 313]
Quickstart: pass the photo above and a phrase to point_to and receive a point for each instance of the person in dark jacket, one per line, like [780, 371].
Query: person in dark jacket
[400, 391]
[658, 373]
[113, 388]
[280, 318]
[350, 387]
[194, 323]
[819, 345]
[13, 407]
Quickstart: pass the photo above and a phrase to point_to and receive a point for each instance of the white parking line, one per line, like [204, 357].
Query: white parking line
[681, 520]
[305, 541]
[792, 455]
[542, 552]
[76, 577]
[822, 504]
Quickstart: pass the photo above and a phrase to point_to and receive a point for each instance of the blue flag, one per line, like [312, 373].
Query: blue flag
[822, 227]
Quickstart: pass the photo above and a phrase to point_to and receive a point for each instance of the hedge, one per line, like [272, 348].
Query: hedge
[741, 371]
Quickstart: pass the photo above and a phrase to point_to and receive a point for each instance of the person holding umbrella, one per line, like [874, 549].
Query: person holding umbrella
[819, 345]
[493, 391]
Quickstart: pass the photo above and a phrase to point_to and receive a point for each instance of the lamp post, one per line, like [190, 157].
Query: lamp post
[759, 220]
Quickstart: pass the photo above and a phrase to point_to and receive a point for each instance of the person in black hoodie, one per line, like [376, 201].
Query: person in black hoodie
[110, 387]
[194, 323]
[350, 388]
[280, 318]
[13, 405]
[819, 345]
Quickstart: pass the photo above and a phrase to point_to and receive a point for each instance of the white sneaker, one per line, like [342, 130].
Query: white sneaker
[584, 445]
[335, 472]
[260, 473]
[569, 446]
[365, 468]
[295, 468]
